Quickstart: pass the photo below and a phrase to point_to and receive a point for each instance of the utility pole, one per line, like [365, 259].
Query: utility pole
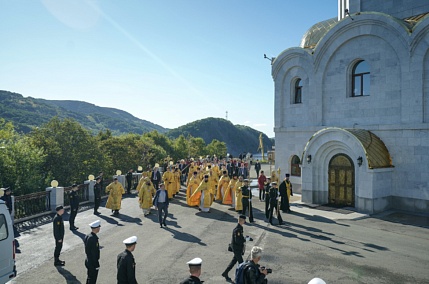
[226, 116]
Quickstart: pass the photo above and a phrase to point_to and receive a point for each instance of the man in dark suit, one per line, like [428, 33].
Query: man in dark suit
[129, 178]
[257, 168]
[160, 201]
[155, 177]
[97, 195]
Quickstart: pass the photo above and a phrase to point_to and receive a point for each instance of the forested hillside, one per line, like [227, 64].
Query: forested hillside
[238, 138]
[27, 113]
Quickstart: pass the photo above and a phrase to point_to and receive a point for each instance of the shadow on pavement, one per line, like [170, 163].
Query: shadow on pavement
[79, 234]
[184, 236]
[70, 278]
[320, 219]
[110, 220]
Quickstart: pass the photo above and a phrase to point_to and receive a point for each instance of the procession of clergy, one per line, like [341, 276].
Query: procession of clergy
[206, 181]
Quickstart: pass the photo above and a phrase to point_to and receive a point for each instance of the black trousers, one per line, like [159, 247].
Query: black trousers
[73, 213]
[162, 206]
[155, 184]
[267, 205]
[129, 183]
[92, 274]
[97, 202]
[279, 216]
[236, 258]
[58, 248]
[261, 194]
[247, 205]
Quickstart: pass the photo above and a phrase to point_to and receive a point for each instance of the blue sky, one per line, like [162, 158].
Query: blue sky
[170, 62]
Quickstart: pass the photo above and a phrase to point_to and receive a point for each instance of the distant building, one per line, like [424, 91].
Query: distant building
[352, 108]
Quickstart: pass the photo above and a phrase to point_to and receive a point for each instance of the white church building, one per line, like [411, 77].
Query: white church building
[352, 108]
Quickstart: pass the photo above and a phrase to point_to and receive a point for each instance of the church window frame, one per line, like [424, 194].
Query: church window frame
[297, 98]
[360, 79]
[295, 169]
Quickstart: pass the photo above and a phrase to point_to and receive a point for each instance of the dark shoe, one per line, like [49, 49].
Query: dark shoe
[165, 225]
[97, 213]
[160, 225]
[73, 229]
[59, 263]
[225, 275]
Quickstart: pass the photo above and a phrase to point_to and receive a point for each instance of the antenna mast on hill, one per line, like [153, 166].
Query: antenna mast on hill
[226, 116]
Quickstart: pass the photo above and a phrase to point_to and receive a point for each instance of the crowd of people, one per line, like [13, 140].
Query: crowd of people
[206, 181]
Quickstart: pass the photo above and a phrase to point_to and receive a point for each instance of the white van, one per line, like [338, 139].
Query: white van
[7, 245]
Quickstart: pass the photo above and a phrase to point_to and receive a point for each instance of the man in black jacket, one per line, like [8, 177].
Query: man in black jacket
[267, 197]
[155, 177]
[129, 178]
[126, 263]
[58, 225]
[246, 199]
[97, 195]
[92, 250]
[257, 168]
[238, 243]
[255, 274]
[274, 203]
[74, 206]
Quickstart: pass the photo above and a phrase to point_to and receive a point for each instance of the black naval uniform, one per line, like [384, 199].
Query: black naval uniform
[59, 236]
[92, 250]
[247, 201]
[129, 178]
[192, 280]
[238, 244]
[267, 200]
[74, 206]
[126, 268]
[97, 196]
[273, 195]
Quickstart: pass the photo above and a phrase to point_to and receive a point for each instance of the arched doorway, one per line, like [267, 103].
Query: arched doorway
[341, 180]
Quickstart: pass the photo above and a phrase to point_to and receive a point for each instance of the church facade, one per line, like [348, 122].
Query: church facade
[352, 108]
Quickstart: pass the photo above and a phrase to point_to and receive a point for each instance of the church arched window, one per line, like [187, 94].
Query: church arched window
[295, 170]
[298, 92]
[361, 79]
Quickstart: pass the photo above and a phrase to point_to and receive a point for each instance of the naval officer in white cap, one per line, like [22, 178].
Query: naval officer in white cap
[194, 270]
[92, 250]
[126, 263]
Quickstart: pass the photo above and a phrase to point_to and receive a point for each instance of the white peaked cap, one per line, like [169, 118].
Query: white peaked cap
[316, 281]
[95, 224]
[130, 240]
[195, 262]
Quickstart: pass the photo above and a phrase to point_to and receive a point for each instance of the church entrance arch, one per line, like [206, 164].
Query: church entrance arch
[341, 181]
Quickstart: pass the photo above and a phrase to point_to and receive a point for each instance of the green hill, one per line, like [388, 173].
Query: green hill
[238, 138]
[27, 113]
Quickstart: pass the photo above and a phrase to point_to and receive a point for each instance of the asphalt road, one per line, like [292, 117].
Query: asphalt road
[339, 248]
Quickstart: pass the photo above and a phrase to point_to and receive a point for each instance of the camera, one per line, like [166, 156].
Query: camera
[269, 270]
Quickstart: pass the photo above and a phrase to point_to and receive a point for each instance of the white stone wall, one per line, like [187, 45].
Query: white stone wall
[397, 110]
[397, 8]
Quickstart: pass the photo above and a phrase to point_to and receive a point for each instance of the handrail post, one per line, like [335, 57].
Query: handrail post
[56, 197]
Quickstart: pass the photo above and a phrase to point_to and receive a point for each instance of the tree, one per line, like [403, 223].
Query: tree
[71, 151]
[196, 147]
[181, 147]
[20, 162]
[216, 148]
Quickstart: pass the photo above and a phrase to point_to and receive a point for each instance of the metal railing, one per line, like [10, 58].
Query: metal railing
[82, 192]
[32, 204]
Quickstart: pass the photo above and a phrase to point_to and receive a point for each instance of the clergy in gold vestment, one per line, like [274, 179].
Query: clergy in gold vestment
[115, 190]
[177, 179]
[168, 178]
[222, 187]
[229, 196]
[146, 192]
[206, 194]
[238, 195]
[193, 184]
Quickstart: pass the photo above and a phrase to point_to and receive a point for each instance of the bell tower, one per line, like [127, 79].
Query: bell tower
[342, 6]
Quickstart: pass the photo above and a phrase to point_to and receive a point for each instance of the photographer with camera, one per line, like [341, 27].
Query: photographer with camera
[237, 246]
[251, 272]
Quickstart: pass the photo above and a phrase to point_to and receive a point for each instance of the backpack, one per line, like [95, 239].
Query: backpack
[239, 272]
